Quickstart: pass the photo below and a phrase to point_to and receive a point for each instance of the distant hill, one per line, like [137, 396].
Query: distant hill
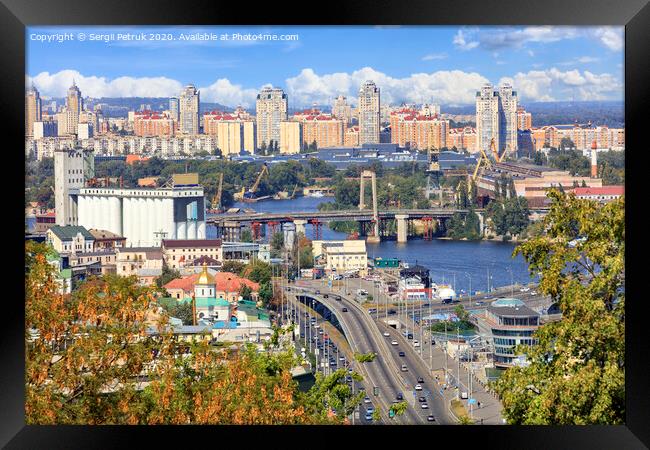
[610, 113]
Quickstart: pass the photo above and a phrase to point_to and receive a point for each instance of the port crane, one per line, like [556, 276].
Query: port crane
[250, 194]
[216, 200]
[485, 161]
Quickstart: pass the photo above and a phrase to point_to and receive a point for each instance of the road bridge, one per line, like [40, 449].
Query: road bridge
[394, 222]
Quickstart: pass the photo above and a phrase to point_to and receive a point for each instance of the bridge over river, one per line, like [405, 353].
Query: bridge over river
[372, 225]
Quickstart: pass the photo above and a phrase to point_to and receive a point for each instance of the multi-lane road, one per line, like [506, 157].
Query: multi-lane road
[364, 336]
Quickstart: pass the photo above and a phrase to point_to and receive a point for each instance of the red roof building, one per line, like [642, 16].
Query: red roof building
[602, 194]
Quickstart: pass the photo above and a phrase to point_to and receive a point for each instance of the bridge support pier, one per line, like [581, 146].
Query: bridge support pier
[231, 231]
[300, 226]
[402, 227]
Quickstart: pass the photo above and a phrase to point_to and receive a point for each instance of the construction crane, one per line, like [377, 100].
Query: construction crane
[216, 200]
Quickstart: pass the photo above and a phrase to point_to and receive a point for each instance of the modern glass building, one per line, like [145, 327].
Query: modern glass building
[511, 323]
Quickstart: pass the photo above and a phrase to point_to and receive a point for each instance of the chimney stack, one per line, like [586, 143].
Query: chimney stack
[594, 160]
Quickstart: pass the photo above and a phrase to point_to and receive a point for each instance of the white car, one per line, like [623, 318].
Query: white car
[524, 289]
[366, 400]
[418, 387]
[393, 342]
[424, 406]
[416, 344]
[533, 293]
[386, 333]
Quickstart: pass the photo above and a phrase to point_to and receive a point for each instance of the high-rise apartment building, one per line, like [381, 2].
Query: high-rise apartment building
[341, 110]
[235, 132]
[188, 110]
[410, 128]
[508, 103]
[73, 108]
[524, 119]
[496, 118]
[369, 113]
[323, 129]
[271, 109]
[153, 123]
[291, 136]
[173, 109]
[33, 110]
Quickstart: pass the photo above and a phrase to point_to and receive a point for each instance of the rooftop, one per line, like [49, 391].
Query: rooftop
[69, 232]
[191, 243]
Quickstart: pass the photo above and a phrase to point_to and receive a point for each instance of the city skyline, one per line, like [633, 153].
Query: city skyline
[414, 64]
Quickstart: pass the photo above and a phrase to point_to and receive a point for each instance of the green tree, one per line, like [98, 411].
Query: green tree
[257, 271]
[265, 293]
[246, 236]
[167, 275]
[277, 244]
[233, 267]
[576, 372]
[245, 292]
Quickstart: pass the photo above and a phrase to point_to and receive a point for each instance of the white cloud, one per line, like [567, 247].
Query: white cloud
[610, 37]
[433, 56]
[514, 37]
[224, 92]
[587, 59]
[442, 86]
[553, 84]
[57, 84]
[460, 42]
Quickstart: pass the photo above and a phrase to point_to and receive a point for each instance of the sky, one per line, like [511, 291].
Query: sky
[414, 64]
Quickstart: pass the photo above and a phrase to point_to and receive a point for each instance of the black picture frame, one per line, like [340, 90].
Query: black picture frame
[17, 14]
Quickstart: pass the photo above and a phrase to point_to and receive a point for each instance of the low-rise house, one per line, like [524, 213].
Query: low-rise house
[107, 260]
[106, 240]
[70, 239]
[603, 194]
[341, 256]
[182, 252]
[131, 259]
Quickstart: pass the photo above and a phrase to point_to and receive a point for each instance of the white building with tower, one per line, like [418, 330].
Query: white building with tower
[71, 169]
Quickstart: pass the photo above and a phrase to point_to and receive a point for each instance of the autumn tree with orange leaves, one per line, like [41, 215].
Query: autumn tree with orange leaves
[105, 354]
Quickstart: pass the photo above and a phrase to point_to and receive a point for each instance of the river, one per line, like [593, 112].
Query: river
[459, 262]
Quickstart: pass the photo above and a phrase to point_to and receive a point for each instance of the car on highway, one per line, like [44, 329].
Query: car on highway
[431, 418]
[391, 312]
[420, 380]
[416, 343]
[524, 289]
[344, 310]
[463, 395]
[418, 387]
[479, 303]
[533, 293]
[370, 409]
[341, 358]
[422, 399]
[399, 396]
[369, 416]
[366, 400]
[424, 406]
[404, 368]
[386, 333]
[393, 342]
[337, 298]
[402, 354]
[410, 336]
[317, 292]
[326, 296]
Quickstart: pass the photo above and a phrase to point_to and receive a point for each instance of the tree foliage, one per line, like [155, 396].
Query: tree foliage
[91, 360]
[576, 372]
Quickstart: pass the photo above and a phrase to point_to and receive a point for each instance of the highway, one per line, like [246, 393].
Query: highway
[384, 372]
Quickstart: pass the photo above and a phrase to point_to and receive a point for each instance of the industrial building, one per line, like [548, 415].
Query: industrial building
[146, 216]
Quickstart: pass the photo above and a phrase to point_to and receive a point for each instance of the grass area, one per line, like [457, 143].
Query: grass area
[458, 409]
